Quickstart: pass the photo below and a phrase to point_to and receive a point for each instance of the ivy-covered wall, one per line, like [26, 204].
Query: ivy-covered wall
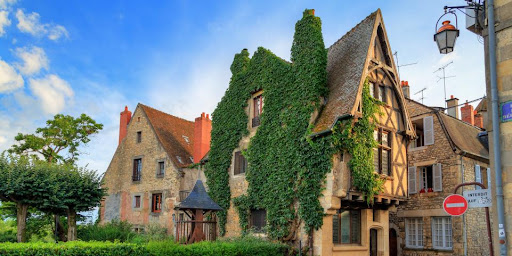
[287, 168]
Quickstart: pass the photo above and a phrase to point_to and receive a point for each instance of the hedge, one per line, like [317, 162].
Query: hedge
[252, 247]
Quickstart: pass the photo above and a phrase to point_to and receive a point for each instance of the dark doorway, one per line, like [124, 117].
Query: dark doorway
[393, 250]
[373, 242]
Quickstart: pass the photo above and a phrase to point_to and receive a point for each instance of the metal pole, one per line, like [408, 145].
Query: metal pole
[488, 220]
[444, 84]
[496, 128]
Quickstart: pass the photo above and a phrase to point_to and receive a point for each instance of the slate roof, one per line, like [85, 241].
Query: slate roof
[199, 199]
[464, 136]
[346, 59]
[482, 106]
[170, 130]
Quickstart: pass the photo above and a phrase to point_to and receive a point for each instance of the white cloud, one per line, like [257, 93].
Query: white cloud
[52, 91]
[4, 4]
[34, 59]
[4, 22]
[29, 23]
[9, 79]
[56, 32]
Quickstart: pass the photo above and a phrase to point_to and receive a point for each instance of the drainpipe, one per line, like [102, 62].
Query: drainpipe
[465, 231]
[496, 128]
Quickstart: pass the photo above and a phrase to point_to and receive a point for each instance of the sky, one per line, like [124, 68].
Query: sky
[95, 57]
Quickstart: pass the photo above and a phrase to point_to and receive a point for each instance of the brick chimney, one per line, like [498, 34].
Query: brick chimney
[468, 114]
[453, 109]
[479, 120]
[202, 136]
[126, 115]
[405, 89]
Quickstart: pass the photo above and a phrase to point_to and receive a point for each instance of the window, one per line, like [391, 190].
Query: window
[424, 132]
[240, 163]
[161, 169]
[382, 154]
[257, 110]
[136, 202]
[382, 93]
[346, 227]
[258, 220]
[137, 169]
[425, 178]
[139, 137]
[442, 232]
[414, 232]
[156, 205]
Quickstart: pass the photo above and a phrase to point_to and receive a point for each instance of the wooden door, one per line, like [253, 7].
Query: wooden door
[373, 242]
[393, 249]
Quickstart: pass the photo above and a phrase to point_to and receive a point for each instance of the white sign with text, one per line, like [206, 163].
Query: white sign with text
[478, 198]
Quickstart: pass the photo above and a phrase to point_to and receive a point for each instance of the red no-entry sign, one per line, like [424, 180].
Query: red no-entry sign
[455, 205]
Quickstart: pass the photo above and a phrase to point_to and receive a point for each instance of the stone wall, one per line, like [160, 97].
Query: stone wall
[429, 204]
[121, 189]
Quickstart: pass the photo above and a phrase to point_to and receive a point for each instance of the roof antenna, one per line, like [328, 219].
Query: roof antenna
[403, 65]
[422, 90]
[444, 80]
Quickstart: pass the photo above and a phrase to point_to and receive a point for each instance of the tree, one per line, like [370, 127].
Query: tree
[80, 190]
[22, 184]
[62, 133]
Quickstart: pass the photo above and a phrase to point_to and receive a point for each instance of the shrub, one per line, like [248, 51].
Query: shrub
[113, 231]
[240, 247]
[75, 248]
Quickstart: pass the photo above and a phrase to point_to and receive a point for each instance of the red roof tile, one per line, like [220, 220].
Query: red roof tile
[172, 132]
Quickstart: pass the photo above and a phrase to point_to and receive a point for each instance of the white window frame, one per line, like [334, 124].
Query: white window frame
[446, 233]
[414, 232]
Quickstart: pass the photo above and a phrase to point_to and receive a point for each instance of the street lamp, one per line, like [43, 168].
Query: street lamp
[446, 35]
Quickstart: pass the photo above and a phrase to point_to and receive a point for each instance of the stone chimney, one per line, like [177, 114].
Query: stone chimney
[202, 136]
[479, 120]
[453, 108]
[468, 114]
[405, 89]
[126, 115]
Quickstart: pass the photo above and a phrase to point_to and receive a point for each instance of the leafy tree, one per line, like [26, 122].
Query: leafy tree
[62, 133]
[21, 184]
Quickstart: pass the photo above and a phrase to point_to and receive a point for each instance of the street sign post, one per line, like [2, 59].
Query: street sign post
[478, 198]
[455, 205]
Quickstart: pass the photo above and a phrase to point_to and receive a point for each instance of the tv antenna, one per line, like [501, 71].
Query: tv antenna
[444, 77]
[403, 65]
[421, 91]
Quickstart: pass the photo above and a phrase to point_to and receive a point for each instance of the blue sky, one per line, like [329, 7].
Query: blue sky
[95, 57]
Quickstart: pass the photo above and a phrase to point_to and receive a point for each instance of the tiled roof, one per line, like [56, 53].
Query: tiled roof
[482, 106]
[170, 131]
[346, 60]
[464, 136]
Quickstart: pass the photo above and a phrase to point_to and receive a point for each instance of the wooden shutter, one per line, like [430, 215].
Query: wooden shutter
[237, 163]
[438, 177]
[478, 175]
[489, 180]
[412, 180]
[428, 130]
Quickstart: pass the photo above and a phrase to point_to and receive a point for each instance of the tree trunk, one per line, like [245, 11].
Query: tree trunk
[61, 232]
[71, 225]
[21, 217]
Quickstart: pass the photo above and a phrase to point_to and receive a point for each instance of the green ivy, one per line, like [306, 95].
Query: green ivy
[356, 137]
[287, 168]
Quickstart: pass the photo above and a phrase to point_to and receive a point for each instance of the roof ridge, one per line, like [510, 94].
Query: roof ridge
[462, 121]
[152, 108]
[354, 28]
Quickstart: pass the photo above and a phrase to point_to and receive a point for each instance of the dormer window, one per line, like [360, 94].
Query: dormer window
[185, 138]
[257, 110]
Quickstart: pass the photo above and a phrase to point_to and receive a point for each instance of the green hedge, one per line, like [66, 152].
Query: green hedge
[252, 247]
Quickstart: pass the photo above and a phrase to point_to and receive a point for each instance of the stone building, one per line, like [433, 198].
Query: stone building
[446, 152]
[350, 225]
[149, 172]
